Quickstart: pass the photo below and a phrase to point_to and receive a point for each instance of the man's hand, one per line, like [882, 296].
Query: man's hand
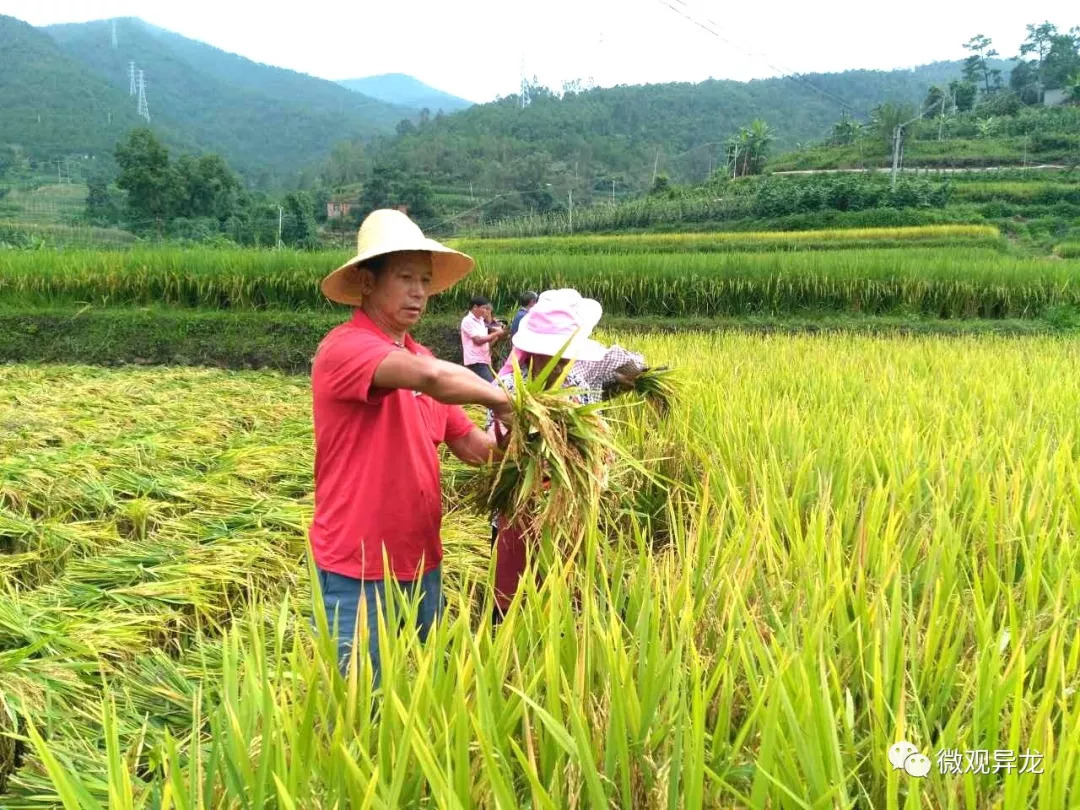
[475, 448]
[503, 410]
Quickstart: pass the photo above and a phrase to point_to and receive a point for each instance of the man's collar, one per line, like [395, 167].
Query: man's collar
[362, 320]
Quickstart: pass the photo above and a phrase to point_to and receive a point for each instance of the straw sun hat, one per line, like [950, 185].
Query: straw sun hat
[389, 231]
[558, 316]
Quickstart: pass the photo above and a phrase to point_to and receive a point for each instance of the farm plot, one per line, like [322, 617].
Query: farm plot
[858, 540]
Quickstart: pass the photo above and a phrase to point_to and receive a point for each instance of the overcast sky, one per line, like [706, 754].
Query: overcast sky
[475, 48]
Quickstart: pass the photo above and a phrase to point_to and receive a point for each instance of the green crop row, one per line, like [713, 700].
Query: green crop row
[939, 282]
[948, 235]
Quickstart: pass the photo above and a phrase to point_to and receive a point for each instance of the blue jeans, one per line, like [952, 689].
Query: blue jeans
[342, 595]
[482, 370]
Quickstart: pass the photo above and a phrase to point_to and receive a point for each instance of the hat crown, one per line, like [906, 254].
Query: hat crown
[562, 313]
[557, 319]
[386, 226]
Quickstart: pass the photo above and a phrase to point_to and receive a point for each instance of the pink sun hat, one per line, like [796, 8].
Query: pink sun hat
[557, 317]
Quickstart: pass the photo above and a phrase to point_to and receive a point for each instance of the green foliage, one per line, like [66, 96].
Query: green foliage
[102, 206]
[977, 69]
[956, 282]
[152, 186]
[845, 131]
[749, 149]
[964, 95]
[199, 199]
[888, 117]
[745, 199]
[298, 227]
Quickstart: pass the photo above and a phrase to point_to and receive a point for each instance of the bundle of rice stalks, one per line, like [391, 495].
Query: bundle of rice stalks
[659, 387]
[555, 462]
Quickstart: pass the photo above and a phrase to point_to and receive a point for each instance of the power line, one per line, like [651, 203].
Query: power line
[711, 27]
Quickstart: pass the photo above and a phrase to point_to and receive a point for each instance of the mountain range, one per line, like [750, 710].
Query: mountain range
[263, 119]
[66, 90]
[399, 88]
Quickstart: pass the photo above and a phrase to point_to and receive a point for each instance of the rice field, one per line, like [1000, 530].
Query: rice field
[744, 241]
[861, 540]
[951, 282]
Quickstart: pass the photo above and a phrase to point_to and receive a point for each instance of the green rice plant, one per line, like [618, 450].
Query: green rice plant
[954, 282]
[1068, 250]
[858, 540]
[742, 241]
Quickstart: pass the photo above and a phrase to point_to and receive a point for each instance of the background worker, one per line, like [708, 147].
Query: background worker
[527, 302]
[477, 338]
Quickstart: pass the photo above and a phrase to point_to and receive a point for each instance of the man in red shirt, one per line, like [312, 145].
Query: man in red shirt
[382, 405]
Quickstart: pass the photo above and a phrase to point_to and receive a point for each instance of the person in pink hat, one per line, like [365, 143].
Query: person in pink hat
[561, 320]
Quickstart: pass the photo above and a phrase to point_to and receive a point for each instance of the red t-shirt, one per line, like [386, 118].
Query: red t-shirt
[376, 459]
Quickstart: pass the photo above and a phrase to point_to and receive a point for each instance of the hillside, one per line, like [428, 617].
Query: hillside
[587, 141]
[50, 104]
[404, 90]
[264, 120]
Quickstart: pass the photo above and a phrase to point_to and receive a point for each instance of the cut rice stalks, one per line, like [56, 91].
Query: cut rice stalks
[659, 387]
[555, 462]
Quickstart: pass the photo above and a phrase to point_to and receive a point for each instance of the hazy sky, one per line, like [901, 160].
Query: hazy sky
[475, 48]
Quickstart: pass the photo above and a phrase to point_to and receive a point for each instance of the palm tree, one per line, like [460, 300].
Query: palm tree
[748, 149]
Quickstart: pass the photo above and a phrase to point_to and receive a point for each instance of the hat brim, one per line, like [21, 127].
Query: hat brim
[585, 349]
[448, 267]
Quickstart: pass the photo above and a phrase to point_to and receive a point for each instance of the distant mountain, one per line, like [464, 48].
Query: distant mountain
[398, 88]
[603, 140]
[49, 104]
[264, 120]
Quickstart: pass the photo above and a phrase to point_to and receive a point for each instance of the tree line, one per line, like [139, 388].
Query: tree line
[197, 198]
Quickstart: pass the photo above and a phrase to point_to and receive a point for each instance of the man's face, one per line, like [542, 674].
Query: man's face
[400, 292]
[483, 312]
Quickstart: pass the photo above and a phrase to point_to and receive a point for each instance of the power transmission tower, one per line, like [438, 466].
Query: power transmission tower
[131, 78]
[524, 85]
[143, 110]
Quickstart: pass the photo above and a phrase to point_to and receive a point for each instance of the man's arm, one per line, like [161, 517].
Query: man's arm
[446, 382]
[476, 447]
[491, 337]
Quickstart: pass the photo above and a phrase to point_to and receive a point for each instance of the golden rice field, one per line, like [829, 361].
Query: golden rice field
[866, 540]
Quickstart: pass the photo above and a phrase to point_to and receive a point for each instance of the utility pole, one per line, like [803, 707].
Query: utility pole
[655, 167]
[131, 79]
[612, 192]
[897, 134]
[570, 197]
[735, 162]
[280, 217]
